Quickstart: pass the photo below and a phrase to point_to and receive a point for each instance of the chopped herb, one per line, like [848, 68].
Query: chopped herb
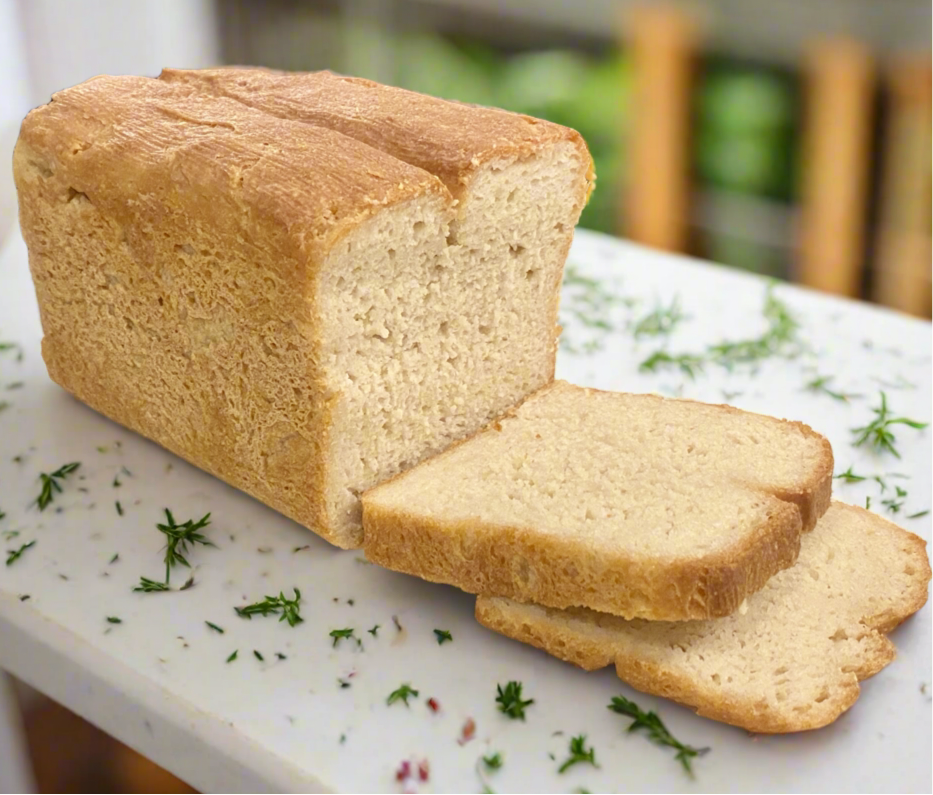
[15, 385]
[373, 630]
[18, 459]
[214, 627]
[657, 731]
[589, 303]
[867, 502]
[820, 384]
[258, 656]
[150, 586]
[4, 405]
[849, 476]
[403, 693]
[116, 481]
[442, 636]
[660, 322]
[344, 683]
[510, 700]
[2, 514]
[114, 620]
[264, 550]
[493, 761]
[299, 549]
[101, 449]
[114, 559]
[12, 346]
[119, 508]
[25, 597]
[289, 608]
[232, 657]
[688, 364]
[189, 583]
[877, 432]
[351, 602]
[918, 514]
[15, 554]
[578, 754]
[339, 634]
[10, 534]
[51, 484]
[894, 504]
[280, 656]
[398, 624]
[343, 739]
[179, 536]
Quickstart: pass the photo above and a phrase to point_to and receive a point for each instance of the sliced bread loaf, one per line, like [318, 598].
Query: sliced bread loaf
[282, 304]
[791, 661]
[631, 504]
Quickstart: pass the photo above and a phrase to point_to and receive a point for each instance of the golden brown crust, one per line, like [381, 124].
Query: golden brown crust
[481, 557]
[449, 139]
[155, 216]
[550, 631]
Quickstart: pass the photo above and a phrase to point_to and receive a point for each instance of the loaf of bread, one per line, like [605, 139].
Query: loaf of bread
[635, 505]
[304, 303]
[791, 661]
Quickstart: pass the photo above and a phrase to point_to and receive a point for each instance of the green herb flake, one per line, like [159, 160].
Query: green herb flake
[657, 731]
[114, 620]
[258, 656]
[114, 559]
[510, 700]
[918, 514]
[849, 476]
[661, 321]
[877, 433]
[820, 385]
[51, 484]
[341, 634]
[272, 605]
[150, 586]
[442, 636]
[579, 754]
[214, 627]
[280, 656]
[119, 508]
[402, 694]
[233, 656]
[493, 761]
[374, 630]
[15, 554]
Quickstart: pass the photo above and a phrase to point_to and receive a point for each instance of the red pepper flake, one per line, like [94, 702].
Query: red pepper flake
[404, 771]
[423, 770]
[433, 705]
[467, 732]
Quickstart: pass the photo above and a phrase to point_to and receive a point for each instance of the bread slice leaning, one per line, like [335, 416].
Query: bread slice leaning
[790, 662]
[630, 504]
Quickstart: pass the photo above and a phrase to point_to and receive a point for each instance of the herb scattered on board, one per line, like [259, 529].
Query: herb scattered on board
[894, 504]
[214, 627]
[820, 385]
[918, 514]
[179, 536]
[442, 636]
[114, 620]
[589, 303]
[779, 339]
[233, 656]
[578, 754]
[114, 559]
[510, 700]
[341, 634]
[403, 693]
[657, 731]
[12, 346]
[373, 630]
[661, 321]
[51, 484]
[867, 502]
[878, 434]
[344, 683]
[258, 656]
[849, 476]
[119, 508]
[493, 761]
[150, 586]
[289, 608]
[280, 656]
[15, 554]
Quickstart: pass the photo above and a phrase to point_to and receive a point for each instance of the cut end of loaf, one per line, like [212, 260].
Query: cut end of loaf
[630, 504]
[791, 662]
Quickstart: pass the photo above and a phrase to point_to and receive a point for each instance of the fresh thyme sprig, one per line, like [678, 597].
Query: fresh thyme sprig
[289, 608]
[179, 536]
[510, 700]
[820, 384]
[579, 754]
[657, 731]
[878, 434]
[51, 484]
[402, 693]
[14, 555]
[661, 321]
[150, 586]
[849, 476]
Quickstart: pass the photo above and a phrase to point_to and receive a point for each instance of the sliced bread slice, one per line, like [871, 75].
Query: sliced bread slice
[789, 662]
[630, 504]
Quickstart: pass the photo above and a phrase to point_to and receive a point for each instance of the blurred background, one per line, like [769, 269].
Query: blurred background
[787, 138]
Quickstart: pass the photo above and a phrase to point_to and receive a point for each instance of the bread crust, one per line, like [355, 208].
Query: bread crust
[155, 215]
[550, 631]
[495, 559]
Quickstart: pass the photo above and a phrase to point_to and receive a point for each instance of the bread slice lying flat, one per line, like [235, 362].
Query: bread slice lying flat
[299, 311]
[631, 504]
[791, 661]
